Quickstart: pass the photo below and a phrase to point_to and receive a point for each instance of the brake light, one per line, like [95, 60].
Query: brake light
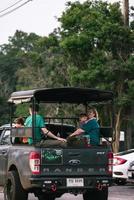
[110, 162]
[34, 162]
[118, 161]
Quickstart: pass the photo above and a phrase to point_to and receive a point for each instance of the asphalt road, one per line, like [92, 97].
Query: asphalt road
[115, 193]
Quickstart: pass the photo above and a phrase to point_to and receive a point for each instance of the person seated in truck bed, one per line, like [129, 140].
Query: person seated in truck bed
[19, 123]
[90, 128]
[40, 126]
[82, 119]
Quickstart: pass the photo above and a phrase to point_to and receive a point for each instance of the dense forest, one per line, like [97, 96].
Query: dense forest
[92, 48]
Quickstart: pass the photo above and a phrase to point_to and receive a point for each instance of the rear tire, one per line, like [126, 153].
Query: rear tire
[96, 194]
[13, 189]
[120, 181]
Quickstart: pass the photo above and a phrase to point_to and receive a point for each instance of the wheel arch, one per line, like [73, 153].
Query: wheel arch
[13, 189]
[14, 168]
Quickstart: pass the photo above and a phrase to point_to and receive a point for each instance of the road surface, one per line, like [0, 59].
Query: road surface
[115, 193]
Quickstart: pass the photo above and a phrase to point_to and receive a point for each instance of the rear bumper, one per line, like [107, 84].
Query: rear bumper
[60, 183]
[121, 176]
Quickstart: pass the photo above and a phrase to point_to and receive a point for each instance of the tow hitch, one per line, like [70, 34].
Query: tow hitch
[53, 187]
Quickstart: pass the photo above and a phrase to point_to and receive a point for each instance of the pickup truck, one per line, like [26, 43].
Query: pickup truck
[50, 171]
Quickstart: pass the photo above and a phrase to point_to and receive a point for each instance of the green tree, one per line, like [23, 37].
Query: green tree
[11, 60]
[44, 65]
[29, 61]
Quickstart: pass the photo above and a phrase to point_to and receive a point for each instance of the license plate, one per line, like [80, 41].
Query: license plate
[75, 182]
[130, 174]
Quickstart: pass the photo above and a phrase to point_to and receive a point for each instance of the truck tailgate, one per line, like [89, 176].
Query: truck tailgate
[71, 162]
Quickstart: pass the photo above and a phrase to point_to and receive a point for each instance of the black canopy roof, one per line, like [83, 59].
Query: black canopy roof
[62, 95]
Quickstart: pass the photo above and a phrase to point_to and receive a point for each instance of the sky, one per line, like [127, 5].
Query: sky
[38, 16]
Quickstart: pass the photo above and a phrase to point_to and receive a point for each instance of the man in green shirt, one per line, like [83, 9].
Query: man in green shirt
[39, 126]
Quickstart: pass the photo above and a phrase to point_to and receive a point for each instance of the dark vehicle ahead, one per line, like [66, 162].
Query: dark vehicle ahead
[51, 171]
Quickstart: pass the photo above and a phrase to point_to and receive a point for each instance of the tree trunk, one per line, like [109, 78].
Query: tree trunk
[116, 142]
[129, 132]
[128, 135]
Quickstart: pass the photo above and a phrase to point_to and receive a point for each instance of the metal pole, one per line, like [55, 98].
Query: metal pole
[33, 120]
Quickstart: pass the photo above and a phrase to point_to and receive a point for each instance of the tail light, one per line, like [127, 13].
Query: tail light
[34, 162]
[118, 161]
[110, 162]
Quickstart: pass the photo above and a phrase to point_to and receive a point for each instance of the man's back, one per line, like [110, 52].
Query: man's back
[39, 123]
